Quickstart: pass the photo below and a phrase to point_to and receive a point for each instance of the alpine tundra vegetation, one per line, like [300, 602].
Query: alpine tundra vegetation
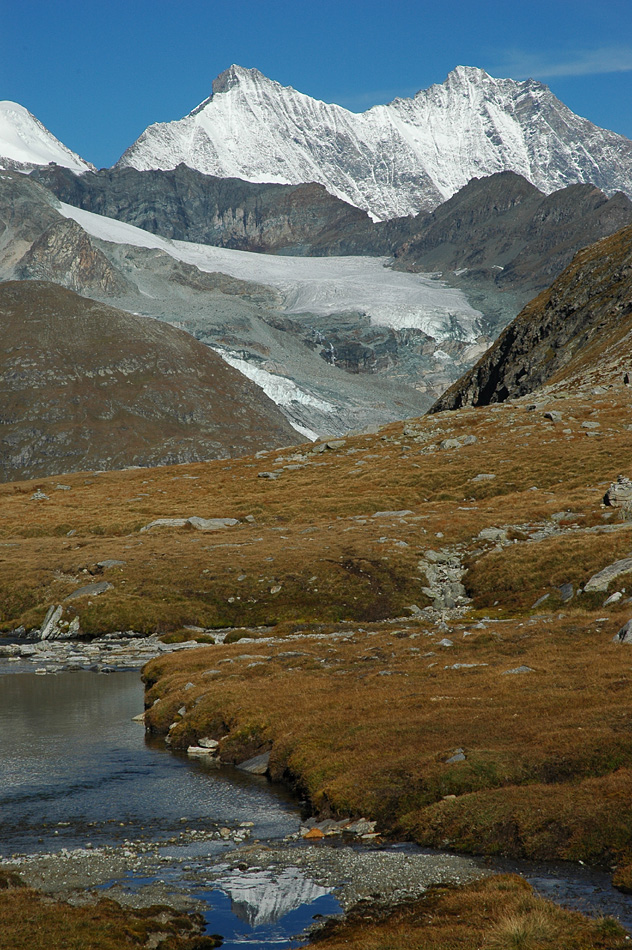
[400, 582]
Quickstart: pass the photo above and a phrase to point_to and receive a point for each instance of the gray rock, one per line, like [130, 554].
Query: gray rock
[625, 633]
[257, 765]
[518, 669]
[459, 756]
[483, 477]
[90, 590]
[613, 599]
[493, 534]
[566, 592]
[165, 523]
[49, 627]
[619, 495]
[553, 415]
[600, 581]
[392, 514]
[111, 562]
[212, 524]
[268, 475]
[206, 743]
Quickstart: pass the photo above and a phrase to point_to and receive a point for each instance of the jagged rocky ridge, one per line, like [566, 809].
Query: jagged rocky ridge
[86, 386]
[579, 326]
[394, 159]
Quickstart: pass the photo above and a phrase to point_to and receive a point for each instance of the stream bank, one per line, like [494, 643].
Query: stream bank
[92, 808]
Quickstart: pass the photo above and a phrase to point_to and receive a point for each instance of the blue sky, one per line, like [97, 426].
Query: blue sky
[97, 73]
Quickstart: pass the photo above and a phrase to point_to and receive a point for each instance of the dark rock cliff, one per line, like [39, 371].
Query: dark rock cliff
[582, 319]
[186, 205]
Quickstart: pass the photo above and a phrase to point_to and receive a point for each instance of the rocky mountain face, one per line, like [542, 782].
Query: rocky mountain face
[25, 143]
[395, 159]
[503, 231]
[293, 359]
[65, 255]
[575, 331]
[187, 205]
[86, 386]
[498, 233]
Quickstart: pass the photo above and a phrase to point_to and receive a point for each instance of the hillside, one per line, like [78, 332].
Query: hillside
[403, 621]
[575, 330]
[503, 231]
[87, 386]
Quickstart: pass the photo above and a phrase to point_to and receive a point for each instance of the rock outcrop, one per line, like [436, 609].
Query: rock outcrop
[576, 331]
[503, 230]
[65, 255]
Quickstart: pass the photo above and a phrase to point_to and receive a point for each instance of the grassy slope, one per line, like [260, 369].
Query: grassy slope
[365, 721]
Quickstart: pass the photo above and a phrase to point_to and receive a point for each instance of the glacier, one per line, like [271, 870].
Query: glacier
[317, 285]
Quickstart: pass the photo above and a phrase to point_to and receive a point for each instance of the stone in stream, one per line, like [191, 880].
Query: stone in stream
[257, 765]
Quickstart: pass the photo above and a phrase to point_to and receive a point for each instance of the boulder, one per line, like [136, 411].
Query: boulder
[625, 633]
[257, 765]
[600, 581]
[619, 495]
[90, 590]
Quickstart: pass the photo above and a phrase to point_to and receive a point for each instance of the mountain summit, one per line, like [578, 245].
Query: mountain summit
[394, 159]
[25, 143]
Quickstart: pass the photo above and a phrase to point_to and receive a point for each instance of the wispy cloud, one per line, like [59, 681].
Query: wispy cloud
[605, 59]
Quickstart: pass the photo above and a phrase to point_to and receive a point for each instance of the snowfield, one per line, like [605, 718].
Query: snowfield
[321, 286]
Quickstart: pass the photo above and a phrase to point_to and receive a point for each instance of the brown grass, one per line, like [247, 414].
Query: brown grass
[498, 913]
[365, 726]
[314, 535]
[29, 919]
[364, 721]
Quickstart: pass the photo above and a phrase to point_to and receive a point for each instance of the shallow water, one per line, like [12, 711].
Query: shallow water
[75, 768]
[76, 772]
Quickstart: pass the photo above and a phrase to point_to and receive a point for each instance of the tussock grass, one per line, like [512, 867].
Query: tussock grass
[28, 919]
[497, 913]
[366, 724]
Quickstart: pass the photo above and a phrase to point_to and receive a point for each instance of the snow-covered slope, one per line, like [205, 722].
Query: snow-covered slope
[26, 143]
[320, 285]
[394, 159]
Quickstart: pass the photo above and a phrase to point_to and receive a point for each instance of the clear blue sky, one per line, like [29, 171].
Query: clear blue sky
[98, 73]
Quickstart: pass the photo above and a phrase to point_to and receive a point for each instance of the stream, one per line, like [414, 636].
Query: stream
[86, 801]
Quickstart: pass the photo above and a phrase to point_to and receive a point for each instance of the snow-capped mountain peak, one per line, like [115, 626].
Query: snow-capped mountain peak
[394, 159]
[25, 143]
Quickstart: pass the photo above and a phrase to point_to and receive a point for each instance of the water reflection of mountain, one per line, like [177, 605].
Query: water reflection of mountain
[263, 897]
